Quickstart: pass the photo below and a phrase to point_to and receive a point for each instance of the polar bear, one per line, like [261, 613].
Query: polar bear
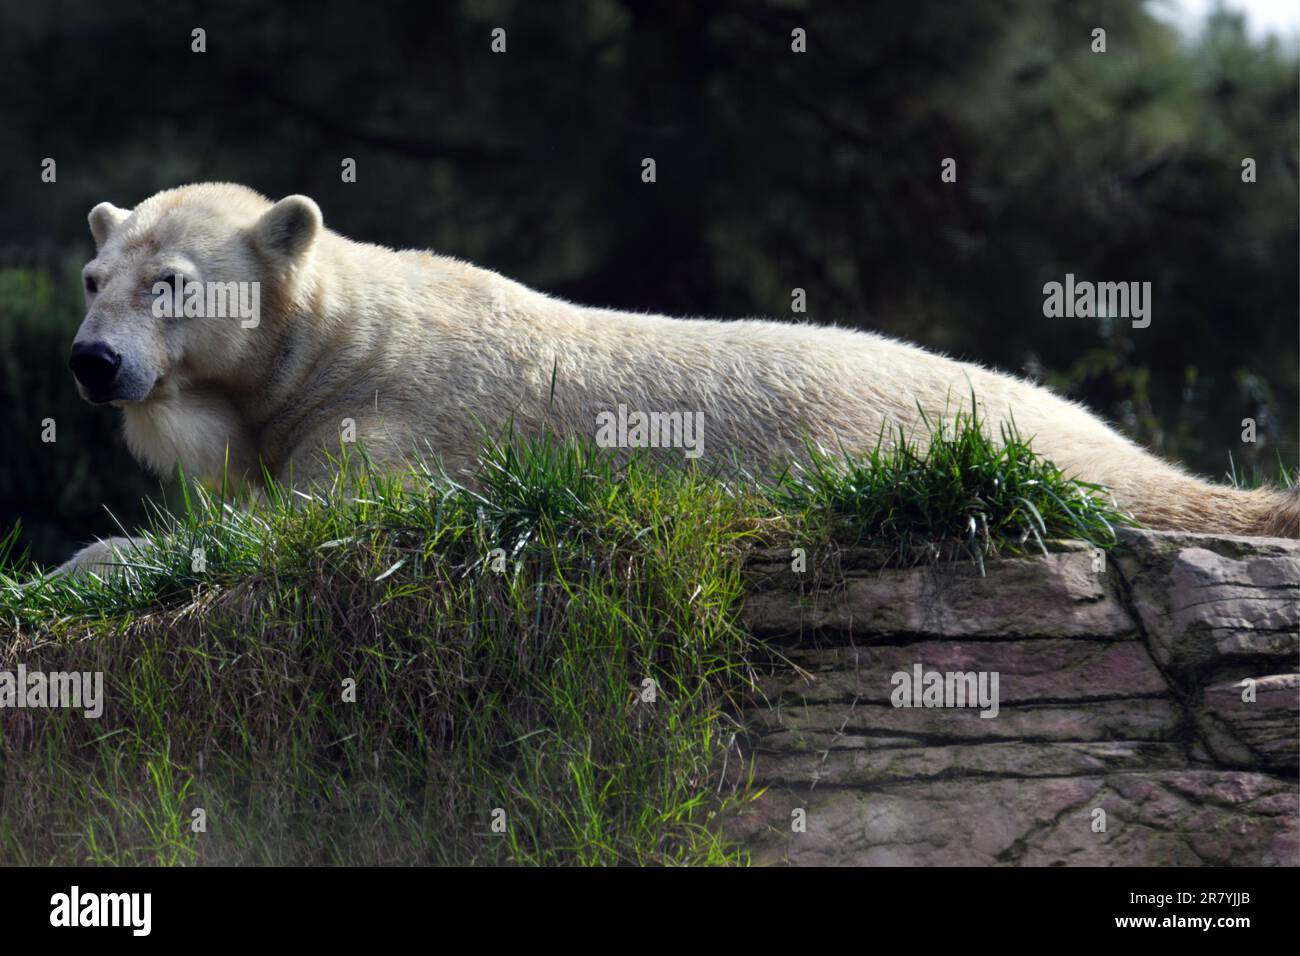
[411, 349]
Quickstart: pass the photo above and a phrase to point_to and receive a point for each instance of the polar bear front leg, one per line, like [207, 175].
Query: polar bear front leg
[103, 556]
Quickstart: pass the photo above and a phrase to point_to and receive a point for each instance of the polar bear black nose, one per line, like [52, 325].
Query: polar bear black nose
[94, 364]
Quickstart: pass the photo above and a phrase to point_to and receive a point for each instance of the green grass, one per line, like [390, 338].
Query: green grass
[1279, 475]
[502, 638]
[959, 491]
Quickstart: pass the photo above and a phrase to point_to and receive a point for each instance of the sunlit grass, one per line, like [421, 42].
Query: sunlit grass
[959, 485]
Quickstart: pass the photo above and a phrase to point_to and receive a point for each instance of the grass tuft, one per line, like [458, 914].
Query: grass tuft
[914, 498]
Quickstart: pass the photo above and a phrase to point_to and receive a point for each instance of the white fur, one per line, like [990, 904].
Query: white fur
[420, 351]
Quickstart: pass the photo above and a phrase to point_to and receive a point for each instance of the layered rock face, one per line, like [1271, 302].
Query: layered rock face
[1137, 708]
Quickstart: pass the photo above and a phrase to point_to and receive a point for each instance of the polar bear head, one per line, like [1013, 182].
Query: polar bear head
[179, 287]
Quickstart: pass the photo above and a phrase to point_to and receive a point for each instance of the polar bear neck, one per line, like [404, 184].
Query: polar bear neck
[199, 431]
[370, 328]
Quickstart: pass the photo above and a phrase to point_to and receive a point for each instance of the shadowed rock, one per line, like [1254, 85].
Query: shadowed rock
[1146, 713]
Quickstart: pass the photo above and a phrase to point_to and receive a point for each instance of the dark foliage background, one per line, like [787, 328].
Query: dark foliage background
[775, 171]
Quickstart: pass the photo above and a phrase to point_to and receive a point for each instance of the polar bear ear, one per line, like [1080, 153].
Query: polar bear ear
[103, 219]
[288, 229]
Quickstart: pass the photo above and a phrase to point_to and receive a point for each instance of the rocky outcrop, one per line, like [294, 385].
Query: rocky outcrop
[1134, 709]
